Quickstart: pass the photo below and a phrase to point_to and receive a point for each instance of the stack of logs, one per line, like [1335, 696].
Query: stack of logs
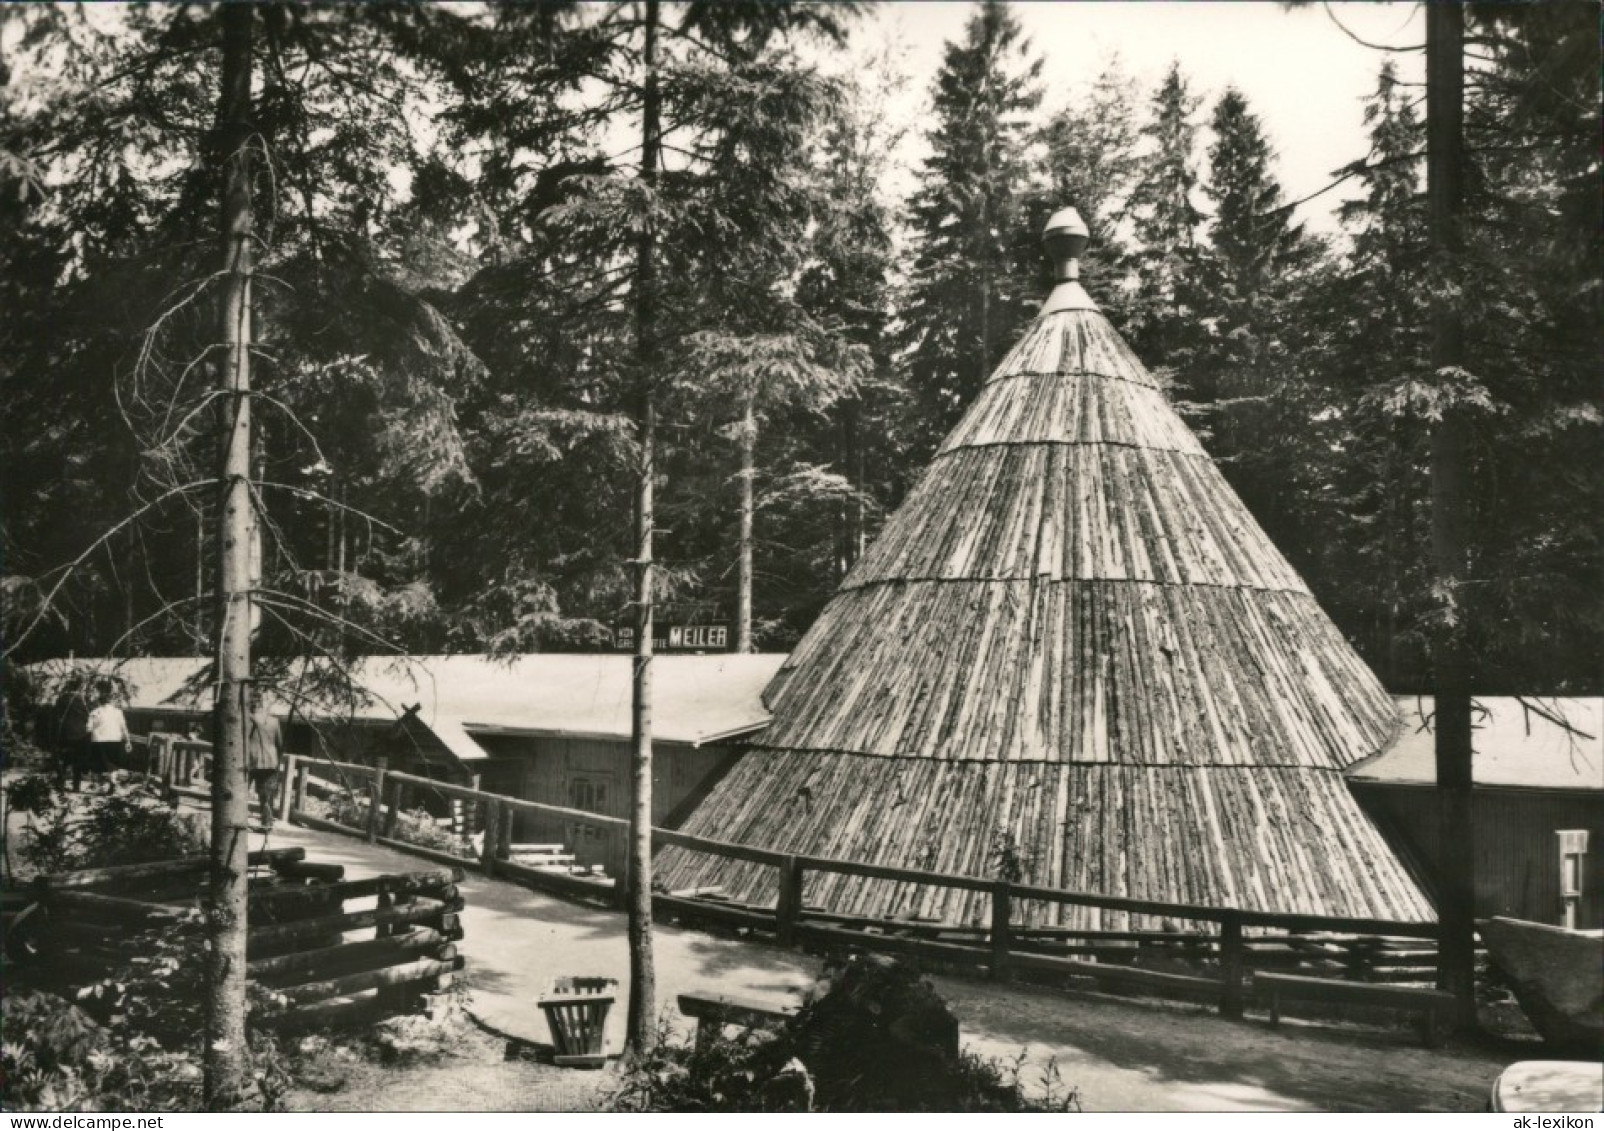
[299, 949]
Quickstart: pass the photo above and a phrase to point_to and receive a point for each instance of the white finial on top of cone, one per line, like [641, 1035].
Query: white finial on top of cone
[1065, 238]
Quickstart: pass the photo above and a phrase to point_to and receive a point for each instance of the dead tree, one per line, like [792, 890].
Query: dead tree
[227, 928]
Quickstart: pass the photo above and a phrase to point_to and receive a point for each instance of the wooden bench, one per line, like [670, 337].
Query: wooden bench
[1433, 1006]
[713, 1013]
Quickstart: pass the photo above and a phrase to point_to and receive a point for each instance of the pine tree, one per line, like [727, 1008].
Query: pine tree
[1166, 223]
[1091, 164]
[846, 284]
[1251, 236]
[967, 299]
[652, 251]
[1374, 341]
[1248, 401]
[377, 387]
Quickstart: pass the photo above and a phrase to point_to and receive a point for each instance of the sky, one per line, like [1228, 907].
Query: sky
[1301, 73]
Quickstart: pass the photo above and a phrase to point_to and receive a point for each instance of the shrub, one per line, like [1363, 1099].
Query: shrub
[414, 826]
[132, 824]
[417, 826]
[849, 1050]
[55, 1057]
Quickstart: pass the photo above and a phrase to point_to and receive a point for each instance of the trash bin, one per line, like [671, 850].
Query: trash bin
[576, 1013]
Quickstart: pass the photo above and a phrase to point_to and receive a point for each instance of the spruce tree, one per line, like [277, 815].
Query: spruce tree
[1370, 322]
[1166, 223]
[673, 235]
[1247, 400]
[1251, 236]
[1090, 146]
[967, 298]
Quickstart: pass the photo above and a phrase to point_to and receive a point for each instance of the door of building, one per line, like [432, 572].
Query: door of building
[591, 791]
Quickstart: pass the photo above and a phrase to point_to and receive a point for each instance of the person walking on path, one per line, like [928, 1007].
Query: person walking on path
[71, 738]
[108, 736]
[264, 757]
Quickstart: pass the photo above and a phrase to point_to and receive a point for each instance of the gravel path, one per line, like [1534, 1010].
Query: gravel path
[1121, 1054]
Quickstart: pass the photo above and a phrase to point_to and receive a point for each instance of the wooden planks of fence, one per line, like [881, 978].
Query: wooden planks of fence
[1221, 950]
[300, 946]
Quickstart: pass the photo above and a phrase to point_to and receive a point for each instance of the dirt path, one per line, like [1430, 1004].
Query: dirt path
[477, 1077]
[1126, 1055]
[1122, 1055]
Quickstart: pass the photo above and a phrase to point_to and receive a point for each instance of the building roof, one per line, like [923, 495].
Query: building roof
[696, 699]
[1073, 634]
[1516, 746]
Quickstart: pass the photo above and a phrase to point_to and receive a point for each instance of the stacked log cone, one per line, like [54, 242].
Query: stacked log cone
[1072, 638]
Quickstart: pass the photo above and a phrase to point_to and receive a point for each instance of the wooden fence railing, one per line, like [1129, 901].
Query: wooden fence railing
[298, 947]
[1218, 954]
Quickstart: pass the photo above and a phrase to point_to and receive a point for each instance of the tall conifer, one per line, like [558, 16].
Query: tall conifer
[1166, 221]
[966, 299]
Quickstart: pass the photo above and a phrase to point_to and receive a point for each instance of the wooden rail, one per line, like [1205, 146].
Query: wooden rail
[298, 950]
[1002, 948]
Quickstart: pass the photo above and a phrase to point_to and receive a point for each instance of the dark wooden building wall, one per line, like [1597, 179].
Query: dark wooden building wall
[576, 773]
[1517, 851]
[593, 775]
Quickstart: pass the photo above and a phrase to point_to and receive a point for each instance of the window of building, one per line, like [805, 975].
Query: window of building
[1572, 853]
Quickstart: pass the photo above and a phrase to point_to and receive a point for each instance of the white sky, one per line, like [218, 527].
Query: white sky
[1301, 74]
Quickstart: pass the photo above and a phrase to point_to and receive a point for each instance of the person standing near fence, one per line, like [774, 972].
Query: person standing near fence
[108, 737]
[264, 758]
[71, 737]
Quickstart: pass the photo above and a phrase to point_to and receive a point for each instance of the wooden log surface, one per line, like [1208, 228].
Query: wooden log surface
[713, 912]
[557, 882]
[427, 853]
[339, 1012]
[383, 977]
[369, 952]
[432, 911]
[1119, 975]
[121, 873]
[894, 944]
[324, 873]
[118, 908]
[439, 882]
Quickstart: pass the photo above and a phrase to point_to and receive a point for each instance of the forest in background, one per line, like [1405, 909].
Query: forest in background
[447, 358]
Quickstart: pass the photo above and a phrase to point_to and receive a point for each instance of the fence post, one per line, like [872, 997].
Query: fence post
[375, 799]
[487, 854]
[393, 816]
[1231, 996]
[285, 787]
[1002, 901]
[788, 908]
[164, 765]
[504, 840]
[301, 770]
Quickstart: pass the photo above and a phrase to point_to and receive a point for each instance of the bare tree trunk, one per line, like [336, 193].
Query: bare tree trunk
[858, 530]
[128, 582]
[339, 570]
[225, 1074]
[200, 579]
[1445, 88]
[985, 322]
[743, 581]
[850, 536]
[640, 1031]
